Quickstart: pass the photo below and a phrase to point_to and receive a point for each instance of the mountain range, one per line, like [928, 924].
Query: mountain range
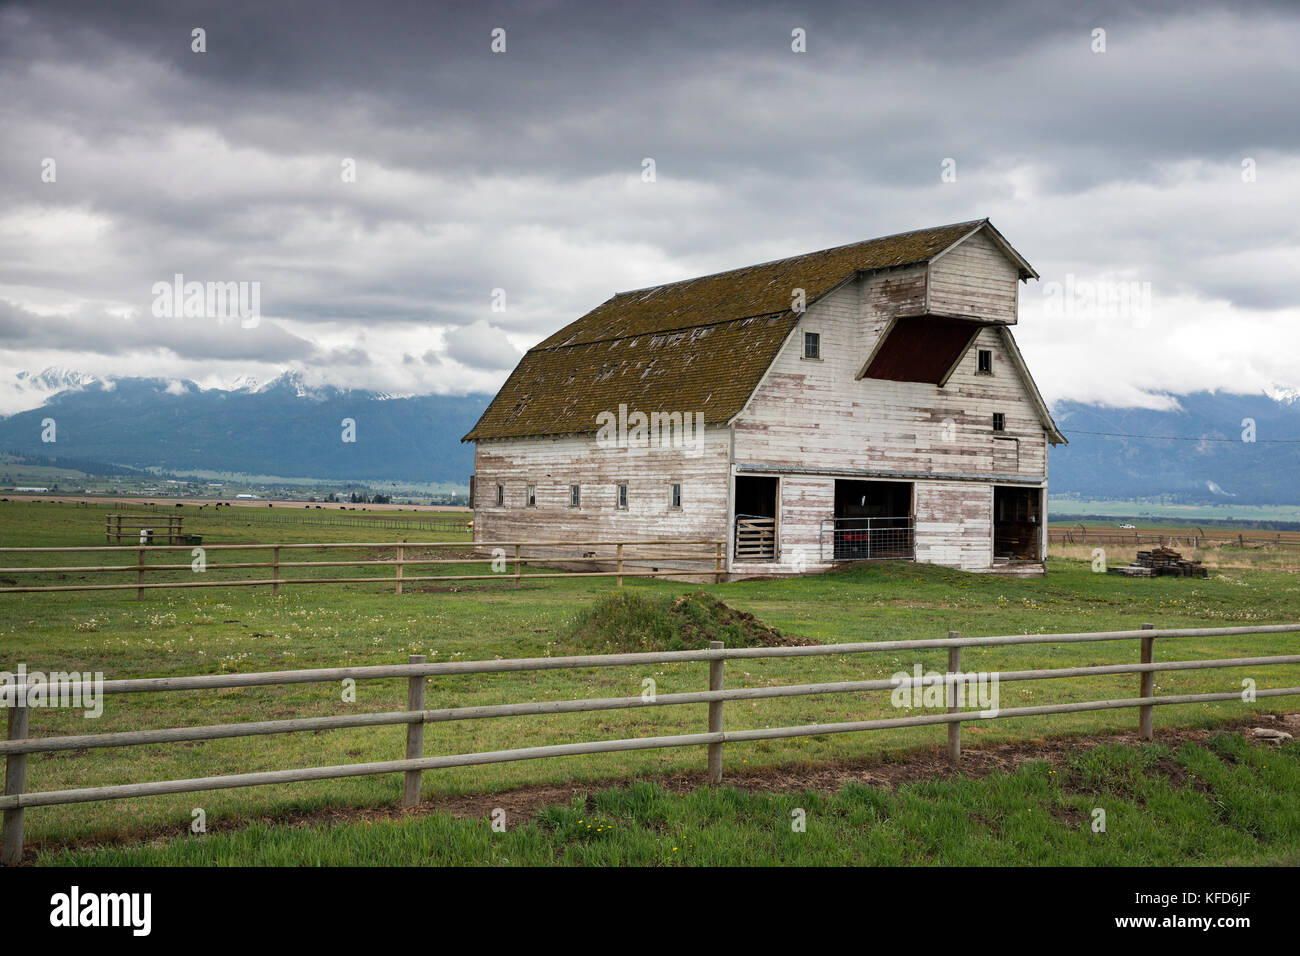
[282, 428]
[1198, 449]
[1208, 448]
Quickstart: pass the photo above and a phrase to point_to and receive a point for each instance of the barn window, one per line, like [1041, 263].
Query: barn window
[575, 496]
[675, 496]
[812, 345]
[622, 496]
[532, 496]
[984, 361]
[999, 422]
[501, 495]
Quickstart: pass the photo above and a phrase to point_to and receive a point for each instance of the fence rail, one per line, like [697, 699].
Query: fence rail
[145, 528]
[1191, 538]
[755, 538]
[20, 744]
[507, 559]
[460, 521]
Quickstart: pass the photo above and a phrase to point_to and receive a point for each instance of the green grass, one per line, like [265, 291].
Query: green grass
[1227, 803]
[216, 630]
[630, 621]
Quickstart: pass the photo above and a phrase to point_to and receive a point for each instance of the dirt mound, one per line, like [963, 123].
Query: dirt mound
[629, 621]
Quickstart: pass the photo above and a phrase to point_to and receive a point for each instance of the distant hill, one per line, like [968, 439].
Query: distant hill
[287, 429]
[281, 428]
[1215, 467]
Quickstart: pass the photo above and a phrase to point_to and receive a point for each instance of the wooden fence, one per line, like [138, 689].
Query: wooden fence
[755, 538]
[133, 527]
[507, 558]
[20, 744]
[1191, 538]
[325, 516]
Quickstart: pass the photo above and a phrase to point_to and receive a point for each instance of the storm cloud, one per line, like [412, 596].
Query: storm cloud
[389, 180]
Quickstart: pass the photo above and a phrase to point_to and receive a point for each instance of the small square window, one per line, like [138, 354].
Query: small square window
[812, 345]
[984, 361]
[575, 496]
[999, 422]
[532, 496]
[501, 495]
[622, 496]
[675, 496]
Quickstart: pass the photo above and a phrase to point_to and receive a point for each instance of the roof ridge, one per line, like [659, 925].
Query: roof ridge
[802, 255]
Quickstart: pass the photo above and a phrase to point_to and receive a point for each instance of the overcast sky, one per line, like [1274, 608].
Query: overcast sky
[1171, 160]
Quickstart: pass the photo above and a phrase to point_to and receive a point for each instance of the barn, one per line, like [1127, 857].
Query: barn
[862, 402]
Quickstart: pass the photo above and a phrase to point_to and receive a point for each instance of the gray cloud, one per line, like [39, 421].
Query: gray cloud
[521, 171]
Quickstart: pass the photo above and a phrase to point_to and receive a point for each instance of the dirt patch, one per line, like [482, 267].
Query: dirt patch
[886, 771]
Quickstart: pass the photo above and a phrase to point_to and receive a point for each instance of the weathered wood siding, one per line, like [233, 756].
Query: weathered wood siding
[815, 415]
[553, 464]
[975, 278]
[954, 524]
[804, 501]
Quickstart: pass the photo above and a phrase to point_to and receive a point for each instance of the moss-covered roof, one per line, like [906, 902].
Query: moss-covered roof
[700, 345]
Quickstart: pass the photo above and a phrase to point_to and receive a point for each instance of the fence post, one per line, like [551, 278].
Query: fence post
[517, 565]
[275, 571]
[11, 836]
[1145, 725]
[717, 562]
[715, 715]
[139, 577]
[954, 729]
[414, 734]
[401, 555]
[620, 564]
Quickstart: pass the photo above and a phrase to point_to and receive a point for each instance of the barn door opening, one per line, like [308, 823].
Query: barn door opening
[1017, 524]
[873, 519]
[755, 538]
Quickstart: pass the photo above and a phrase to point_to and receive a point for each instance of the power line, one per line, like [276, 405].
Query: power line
[1235, 441]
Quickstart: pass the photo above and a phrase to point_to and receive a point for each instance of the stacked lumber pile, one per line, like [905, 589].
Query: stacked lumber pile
[1161, 562]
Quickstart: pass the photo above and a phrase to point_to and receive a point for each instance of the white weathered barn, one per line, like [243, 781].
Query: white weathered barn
[866, 401]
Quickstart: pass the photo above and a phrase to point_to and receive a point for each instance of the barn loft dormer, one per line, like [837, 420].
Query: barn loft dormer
[971, 284]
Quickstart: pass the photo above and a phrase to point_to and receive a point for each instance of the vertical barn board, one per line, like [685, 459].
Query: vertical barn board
[805, 501]
[975, 278]
[954, 524]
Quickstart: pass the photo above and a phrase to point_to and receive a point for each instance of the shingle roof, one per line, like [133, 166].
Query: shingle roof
[700, 345]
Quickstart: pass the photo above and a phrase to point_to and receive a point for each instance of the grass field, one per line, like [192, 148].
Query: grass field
[1225, 803]
[245, 629]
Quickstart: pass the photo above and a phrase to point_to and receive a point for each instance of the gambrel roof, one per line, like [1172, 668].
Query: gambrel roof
[701, 344]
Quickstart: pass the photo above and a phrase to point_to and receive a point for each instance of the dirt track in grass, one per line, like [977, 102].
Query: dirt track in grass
[886, 771]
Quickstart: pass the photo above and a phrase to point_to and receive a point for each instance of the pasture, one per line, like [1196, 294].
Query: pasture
[218, 630]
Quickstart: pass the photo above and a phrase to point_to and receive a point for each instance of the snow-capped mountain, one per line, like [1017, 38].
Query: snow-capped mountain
[282, 427]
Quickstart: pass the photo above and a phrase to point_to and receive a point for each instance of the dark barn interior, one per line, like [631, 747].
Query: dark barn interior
[1017, 523]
